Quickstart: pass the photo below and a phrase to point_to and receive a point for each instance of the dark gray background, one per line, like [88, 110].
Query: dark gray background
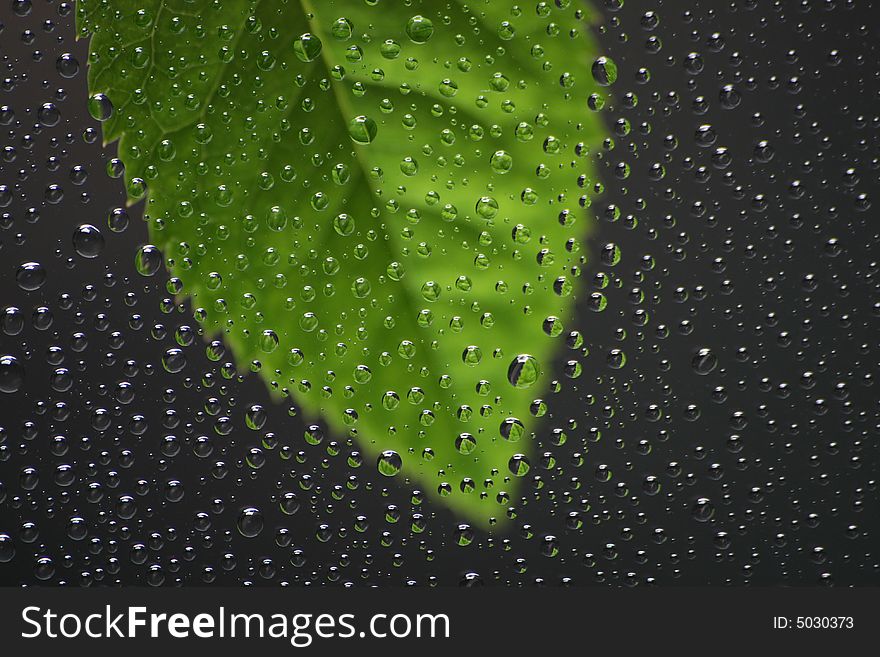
[774, 301]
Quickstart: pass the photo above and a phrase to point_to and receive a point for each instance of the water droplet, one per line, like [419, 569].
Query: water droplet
[30, 276]
[604, 71]
[344, 224]
[289, 504]
[512, 429]
[472, 355]
[67, 65]
[389, 463]
[448, 88]
[487, 207]
[465, 443]
[616, 359]
[362, 129]
[518, 465]
[255, 417]
[12, 320]
[88, 241]
[464, 535]
[148, 260]
[174, 360]
[703, 510]
[342, 29]
[307, 47]
[409, 166]
[250, 522]
[704, 361]
[48, 114]
[523, 371]
[11, 374]
[501, 162]
[419, 29]
[7, 548]
[431, 291]
[389, 49]
[100, 107]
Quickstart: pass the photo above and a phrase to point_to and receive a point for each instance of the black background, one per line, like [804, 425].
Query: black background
[767, 293]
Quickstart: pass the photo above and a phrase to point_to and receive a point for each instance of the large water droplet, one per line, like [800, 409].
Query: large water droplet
[88, 241]
[523, 371]
[419, 29]
[307, 47]
[30, 276]
[11, 374]
[362, 129]
[389, 463]
[604, 71]
[250, 522]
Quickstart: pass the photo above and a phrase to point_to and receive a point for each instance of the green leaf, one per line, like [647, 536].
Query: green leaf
[379, 205]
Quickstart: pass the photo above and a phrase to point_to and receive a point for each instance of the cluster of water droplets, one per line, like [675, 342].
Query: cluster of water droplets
[712, 419]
